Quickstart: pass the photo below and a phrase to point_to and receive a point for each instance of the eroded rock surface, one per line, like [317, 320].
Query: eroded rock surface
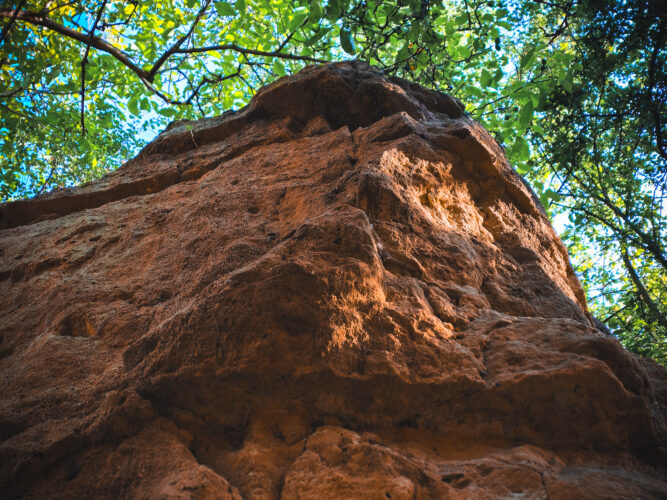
[341, 291]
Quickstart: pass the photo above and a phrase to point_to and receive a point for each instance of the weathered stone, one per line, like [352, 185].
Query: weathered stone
[340, 291]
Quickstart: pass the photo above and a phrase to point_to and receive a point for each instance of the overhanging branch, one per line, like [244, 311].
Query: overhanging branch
[252, 52]
[96, 42]
[147, 77]
[84, 60]
[174, 48]
[12, 20]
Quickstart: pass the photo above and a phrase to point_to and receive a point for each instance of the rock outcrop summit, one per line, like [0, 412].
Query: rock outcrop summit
[341, 291]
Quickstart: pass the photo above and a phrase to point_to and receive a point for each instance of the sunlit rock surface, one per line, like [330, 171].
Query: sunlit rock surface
[340, 291]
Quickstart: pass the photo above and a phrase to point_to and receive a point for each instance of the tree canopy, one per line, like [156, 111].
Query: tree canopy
[573, 89]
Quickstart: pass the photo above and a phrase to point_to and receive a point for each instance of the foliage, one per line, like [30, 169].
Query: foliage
[573, 89]
[605, 153]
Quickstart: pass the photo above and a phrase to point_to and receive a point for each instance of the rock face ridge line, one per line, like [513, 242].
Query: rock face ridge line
[23, 212]
[341, 291]
[183, 137]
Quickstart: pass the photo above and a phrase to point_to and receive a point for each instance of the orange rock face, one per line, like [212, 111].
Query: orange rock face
[341, 291]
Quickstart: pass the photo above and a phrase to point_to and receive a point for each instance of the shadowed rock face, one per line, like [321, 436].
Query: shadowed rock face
[340, 291]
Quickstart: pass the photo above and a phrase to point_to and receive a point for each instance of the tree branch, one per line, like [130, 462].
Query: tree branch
[174, 48]
[148, 77]
[84, 60]
[655, 111]
[253, 52]
[641, 289]
[12, 20]
[97, 42]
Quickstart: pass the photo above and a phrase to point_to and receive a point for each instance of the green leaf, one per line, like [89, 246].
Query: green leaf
[403, 54]
[240, 7]
[528, 59]
[413, 34]
[526, 114]
[566, 82]
[537, 128]
[168, 112]
[52, 117]
[522, 168]
[553, 195]
[225, 9]
[474, 92]
[315, 11]
[279, 68]
[464, 51]
[549, 195]
[347, 42]
[521, 148]
[297, 21]
[485, 78]
[321, 33]
[461, 19]
[133, 105]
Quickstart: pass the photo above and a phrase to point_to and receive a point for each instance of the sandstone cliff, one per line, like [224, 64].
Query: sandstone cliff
[341, 291]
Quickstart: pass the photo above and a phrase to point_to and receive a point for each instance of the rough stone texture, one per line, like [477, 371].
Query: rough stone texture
[341, 291]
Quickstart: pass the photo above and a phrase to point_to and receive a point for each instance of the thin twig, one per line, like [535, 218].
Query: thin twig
[83, 66]
[254, 52]
[12, 20]
[147, 77]
[174, 48]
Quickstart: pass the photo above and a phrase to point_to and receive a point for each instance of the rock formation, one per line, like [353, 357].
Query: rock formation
[341, 291]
